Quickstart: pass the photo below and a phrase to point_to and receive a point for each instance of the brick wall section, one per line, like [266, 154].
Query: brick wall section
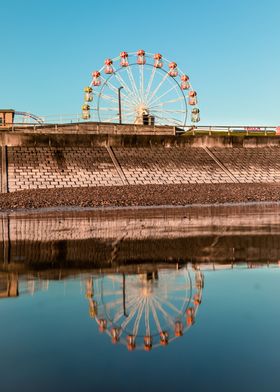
[251, 164]
[174, 165]
[49, 167]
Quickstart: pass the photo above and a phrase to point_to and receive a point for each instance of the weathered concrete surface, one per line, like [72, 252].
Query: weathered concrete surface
[59, 139]
[92, 128]
[38, 160]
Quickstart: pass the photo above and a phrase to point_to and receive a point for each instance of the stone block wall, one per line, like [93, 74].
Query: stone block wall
[49, 167]
[251, 164]
[174, 165]
[38, 161]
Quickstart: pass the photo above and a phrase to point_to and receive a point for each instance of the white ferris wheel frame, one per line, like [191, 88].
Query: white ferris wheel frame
[135, 93]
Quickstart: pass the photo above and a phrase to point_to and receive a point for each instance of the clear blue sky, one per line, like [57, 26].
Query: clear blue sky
[230, 49]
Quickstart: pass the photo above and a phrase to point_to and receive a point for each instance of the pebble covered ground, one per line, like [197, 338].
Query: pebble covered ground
[141, 195]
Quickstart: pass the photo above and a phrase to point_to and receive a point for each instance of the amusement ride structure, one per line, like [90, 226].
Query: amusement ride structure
[140, 88]
[10, 116]
[26, 118]
[145, 310]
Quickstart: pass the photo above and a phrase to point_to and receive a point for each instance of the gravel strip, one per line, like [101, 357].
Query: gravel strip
[141, 195]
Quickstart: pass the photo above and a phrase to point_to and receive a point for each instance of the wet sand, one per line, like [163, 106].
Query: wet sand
[141, 195]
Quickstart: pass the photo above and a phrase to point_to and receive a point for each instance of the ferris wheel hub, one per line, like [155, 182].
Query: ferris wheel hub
[141, 109]
[146, 291]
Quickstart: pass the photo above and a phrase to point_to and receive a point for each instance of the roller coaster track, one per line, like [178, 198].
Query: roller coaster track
[39, 120]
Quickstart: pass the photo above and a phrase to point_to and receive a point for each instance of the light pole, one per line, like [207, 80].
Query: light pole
[124, 309]
[120, 105]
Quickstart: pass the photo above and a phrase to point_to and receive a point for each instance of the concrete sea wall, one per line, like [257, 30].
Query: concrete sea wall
[92, 155]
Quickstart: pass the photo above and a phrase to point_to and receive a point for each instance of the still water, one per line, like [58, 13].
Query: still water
[181, 299]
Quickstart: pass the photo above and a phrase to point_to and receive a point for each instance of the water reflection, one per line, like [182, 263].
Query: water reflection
[97, 239]
[189, 291]
[142, 270]
[145, 310]
[8, 285]
[141, 307]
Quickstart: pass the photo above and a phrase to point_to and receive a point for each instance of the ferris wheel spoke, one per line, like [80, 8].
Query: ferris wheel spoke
[158, 87]
[166, 121]
[127, 103]
[167, 102]
[113, 304]
[141, 77]
[138, 318]
[133, 85]
[165, 314]
[179, 298]
[130, 302]
[169, 304]
[113, 292]
[123, 83]
[108, 98]
[179, 287]
[127, 115]
[150, 82]
[131, 101]
[147, 318]
[129, 318]
[131, 306]
[129, 106]
[111, 118]
[116, 108]
[126, 100]
[171, 292]
[155, 316]
[160, 123]
[163, 95]
[114, 88]
[170, 120]
[168, 111]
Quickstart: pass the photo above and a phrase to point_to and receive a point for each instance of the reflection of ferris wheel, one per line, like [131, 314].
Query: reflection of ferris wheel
[140, 88]
[148, 309]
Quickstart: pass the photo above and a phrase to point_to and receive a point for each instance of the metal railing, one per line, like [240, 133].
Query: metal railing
[203, 129]
[230, 129]
[91, 127]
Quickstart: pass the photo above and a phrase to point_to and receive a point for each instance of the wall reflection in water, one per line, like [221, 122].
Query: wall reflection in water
[99, 239]
[142, 271]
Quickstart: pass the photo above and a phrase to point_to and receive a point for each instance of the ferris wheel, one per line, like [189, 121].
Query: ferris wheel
[140, 88]
[145, 310]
